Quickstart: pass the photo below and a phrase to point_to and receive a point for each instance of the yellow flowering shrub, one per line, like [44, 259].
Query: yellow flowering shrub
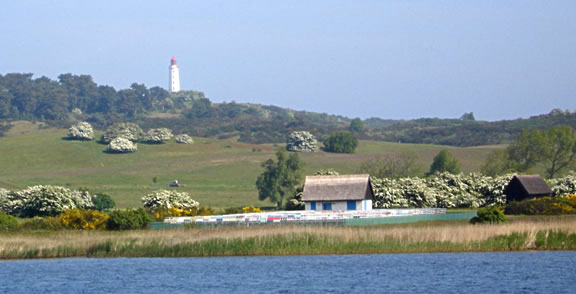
[249, 209]
[571, 199]
[81, 219]
[559, 208]
[162, 213]
[544, 206]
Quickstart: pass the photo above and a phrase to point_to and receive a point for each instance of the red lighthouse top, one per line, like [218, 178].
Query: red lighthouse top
[173, 60]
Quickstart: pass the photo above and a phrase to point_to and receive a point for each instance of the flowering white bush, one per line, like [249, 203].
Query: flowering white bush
[326, 172]
[493, 189]
[564, 186]
[184, 139]
[301, 142]
[7, 203]
[130, 131]
[121, 145]
[43, 201]
[441, 190]
[158, 135]
[166, 199]
[81, 131]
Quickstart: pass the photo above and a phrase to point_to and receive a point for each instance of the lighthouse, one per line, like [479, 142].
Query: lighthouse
[174, 77]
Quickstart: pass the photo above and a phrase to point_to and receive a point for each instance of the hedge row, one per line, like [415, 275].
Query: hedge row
[453, 191]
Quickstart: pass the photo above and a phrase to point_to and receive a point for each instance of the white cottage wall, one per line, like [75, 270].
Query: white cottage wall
[361, 205]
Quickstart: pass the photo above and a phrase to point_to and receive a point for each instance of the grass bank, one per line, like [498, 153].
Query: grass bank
[217, 173]
[524, 233]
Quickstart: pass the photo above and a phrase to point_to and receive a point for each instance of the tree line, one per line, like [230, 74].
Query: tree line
[23, 97]
[77, 97]
[70, 98]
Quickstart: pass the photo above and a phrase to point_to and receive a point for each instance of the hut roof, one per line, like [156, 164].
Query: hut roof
[534, 184]
[346, 187]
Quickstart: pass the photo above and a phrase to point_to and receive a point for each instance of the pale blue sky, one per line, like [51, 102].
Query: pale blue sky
[500, 59]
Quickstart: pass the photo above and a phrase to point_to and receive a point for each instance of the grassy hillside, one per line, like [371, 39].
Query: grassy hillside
[219, 173]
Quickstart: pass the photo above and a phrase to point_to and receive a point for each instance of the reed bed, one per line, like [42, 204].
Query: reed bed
[529, 233]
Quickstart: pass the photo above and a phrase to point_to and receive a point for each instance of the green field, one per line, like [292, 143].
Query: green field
[218, 173]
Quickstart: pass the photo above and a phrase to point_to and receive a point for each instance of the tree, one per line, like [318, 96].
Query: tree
[23, 90]
[295, 202]
[53, 103]
[105, 101]
[230, 110]
[103, 202]
[143, 95]
[498, 163]
[391, 166]
[444, 162]
[342, 142]
[356, 126]
[559, 149]
[201, 108]
[80, 90]
[130, 101]
[158, 97]
[556, 148]
[5, 103]
[280, 177]
[468, 116]
[527, 150]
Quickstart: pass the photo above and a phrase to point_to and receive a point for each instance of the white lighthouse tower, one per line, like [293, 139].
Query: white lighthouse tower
[174, 76]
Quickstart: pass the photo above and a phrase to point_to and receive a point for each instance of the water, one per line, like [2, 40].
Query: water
[517, 272]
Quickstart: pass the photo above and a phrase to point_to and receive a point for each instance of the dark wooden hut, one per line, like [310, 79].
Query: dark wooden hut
[526, 187]
[346, 192]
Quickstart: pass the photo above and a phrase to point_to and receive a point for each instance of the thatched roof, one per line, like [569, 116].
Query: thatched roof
[534, 185]
[346, 187]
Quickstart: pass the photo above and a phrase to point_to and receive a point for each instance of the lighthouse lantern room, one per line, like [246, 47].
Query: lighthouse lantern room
[174, 76]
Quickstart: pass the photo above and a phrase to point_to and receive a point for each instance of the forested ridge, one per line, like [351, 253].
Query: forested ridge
[72, 98]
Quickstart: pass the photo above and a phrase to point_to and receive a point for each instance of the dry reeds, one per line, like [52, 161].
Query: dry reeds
[519, 234]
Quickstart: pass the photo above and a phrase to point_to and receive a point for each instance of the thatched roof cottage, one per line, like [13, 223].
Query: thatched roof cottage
[346, 192]
[526, 187]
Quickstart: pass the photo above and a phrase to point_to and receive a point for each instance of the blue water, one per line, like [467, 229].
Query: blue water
[517, 272]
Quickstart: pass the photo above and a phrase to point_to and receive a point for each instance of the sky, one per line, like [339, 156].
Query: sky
[393, 59]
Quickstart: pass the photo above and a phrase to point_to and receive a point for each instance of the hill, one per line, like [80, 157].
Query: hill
[462, 132]
[218, 173]
[73, 98]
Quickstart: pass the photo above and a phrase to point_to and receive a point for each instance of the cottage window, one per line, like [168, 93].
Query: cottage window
[326, 206]
[351, 205]
[312, 205]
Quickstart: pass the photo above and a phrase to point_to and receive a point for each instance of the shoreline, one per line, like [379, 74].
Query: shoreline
[286, 255]
[520, 234]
